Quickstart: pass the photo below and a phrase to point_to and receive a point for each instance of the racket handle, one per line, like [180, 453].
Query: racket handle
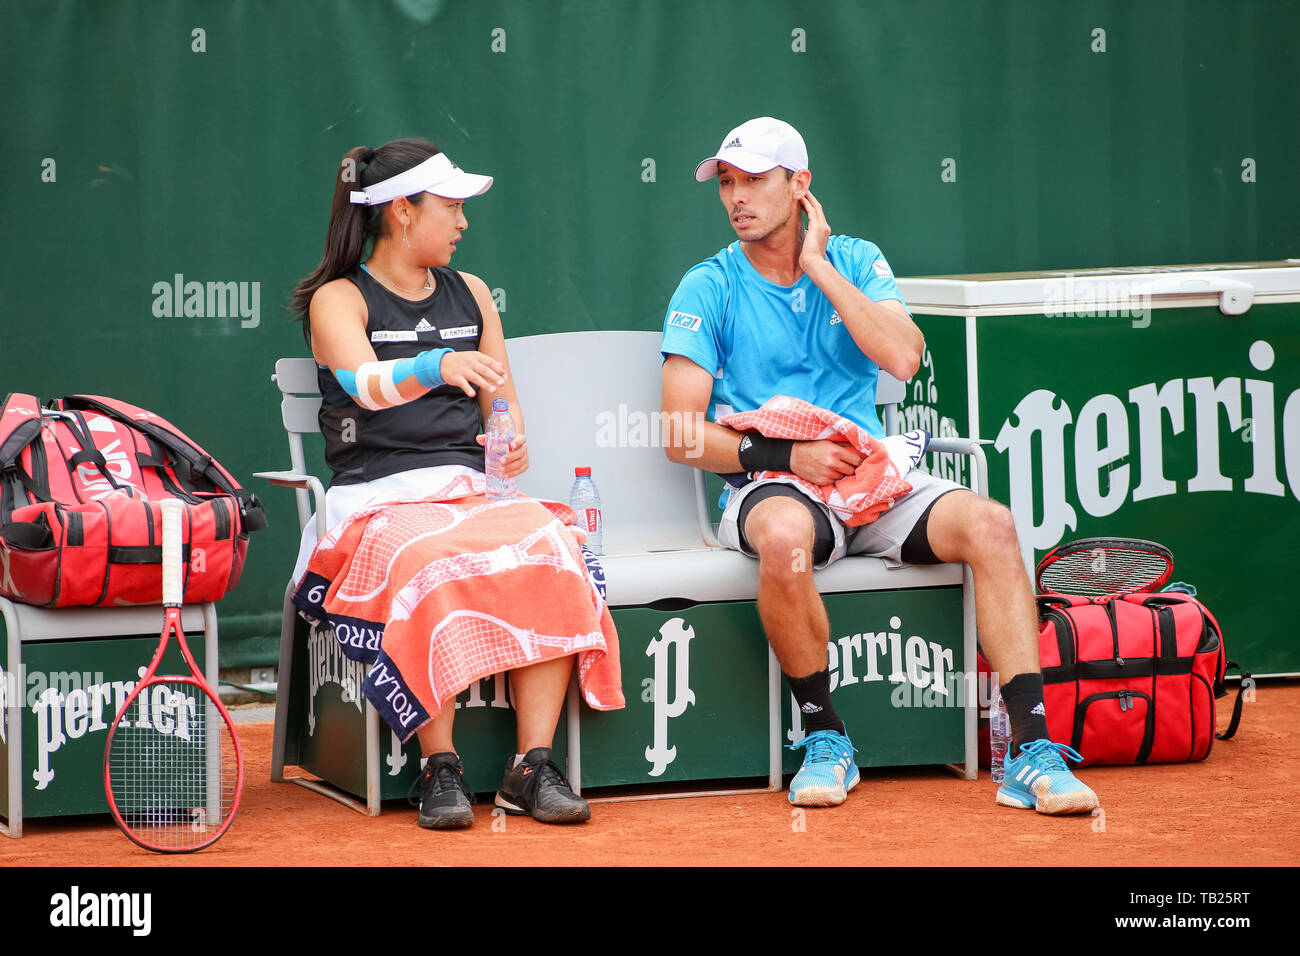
[172, 518]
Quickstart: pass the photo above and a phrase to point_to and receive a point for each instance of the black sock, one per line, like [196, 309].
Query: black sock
[813, 694]
[1023, 695]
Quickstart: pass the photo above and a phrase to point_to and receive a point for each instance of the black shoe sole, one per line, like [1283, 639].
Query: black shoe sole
[577, 814]
[453, 818]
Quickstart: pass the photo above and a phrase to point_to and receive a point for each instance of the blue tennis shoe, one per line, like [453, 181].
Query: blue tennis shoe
[828, 772]
[1039, 778]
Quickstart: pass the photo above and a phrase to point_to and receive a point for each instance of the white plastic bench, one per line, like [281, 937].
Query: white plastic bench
[594, 398]
[579, 389]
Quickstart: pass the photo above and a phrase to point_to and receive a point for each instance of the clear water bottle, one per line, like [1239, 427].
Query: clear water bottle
[999, 731]
[500, 432]
[584, 499]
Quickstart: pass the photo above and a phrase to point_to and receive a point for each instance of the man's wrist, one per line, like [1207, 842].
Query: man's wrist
[821, 270]
[760, 453]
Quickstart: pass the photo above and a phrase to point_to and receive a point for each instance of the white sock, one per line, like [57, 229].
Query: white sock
[519, 758]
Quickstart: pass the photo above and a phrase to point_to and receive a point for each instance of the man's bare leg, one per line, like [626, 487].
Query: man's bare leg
[965, 527]
[781, 532]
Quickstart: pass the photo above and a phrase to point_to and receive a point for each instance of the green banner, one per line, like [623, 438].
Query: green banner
[170, 166]
[69, 692]
[696, 684]
[1182, 427]
[696, 680]
[326, 725]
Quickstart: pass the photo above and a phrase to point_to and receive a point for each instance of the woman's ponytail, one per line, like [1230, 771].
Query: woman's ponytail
[352, 225]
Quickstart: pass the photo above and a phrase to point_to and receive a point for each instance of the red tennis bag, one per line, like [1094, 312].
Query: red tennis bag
[1132, 678]
[80, 519]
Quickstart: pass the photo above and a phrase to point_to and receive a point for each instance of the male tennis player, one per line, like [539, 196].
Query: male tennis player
[791, 311]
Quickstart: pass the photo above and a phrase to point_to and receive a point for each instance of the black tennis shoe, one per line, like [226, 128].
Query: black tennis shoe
[537, 788]
[444, 799]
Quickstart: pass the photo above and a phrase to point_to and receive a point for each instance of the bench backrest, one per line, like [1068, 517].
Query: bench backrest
[592, 398]
[588, 398]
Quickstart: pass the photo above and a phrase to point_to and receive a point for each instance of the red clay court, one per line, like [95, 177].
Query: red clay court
[1236, 809]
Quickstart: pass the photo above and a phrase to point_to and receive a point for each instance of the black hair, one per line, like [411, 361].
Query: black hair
[351, 226]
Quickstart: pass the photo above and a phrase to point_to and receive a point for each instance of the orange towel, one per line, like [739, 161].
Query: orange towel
[438, 593]
[856, 499]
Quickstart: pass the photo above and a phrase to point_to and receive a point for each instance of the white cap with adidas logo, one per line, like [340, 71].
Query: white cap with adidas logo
[757, 146]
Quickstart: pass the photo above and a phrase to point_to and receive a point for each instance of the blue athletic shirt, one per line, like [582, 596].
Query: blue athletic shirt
[761, 339]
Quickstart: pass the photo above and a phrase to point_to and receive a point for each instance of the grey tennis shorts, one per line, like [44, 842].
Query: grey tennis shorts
[883, 538]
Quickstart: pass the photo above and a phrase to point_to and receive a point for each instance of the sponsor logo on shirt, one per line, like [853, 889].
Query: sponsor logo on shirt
[393, 335]
[683, 320]
[835, 318]
[424, 326]
[882, 268]
[460, 332]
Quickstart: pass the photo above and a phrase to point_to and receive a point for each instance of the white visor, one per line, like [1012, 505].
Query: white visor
[437, 175]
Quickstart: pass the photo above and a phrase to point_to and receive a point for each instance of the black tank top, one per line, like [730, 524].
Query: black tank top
[439, 427]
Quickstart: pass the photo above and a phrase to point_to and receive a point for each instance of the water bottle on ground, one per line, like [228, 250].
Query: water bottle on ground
[999, 731]
[584, 499]
[500, 432]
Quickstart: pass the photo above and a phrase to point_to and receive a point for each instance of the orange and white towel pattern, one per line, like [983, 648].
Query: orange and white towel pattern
[438, 593]
[855, 499]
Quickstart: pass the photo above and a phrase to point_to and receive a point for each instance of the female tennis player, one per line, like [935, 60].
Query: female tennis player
[411, 354]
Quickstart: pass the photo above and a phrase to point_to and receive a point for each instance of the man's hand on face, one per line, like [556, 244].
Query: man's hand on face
[813, 253]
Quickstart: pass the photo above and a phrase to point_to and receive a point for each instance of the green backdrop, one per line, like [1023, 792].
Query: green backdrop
[146, 140]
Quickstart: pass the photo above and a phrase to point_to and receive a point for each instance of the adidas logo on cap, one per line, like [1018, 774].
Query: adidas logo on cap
[756, 146]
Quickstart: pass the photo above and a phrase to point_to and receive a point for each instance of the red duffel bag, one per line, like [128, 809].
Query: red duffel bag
[1132, 678]
[81, 483]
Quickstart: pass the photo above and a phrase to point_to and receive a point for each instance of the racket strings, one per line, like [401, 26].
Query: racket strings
[1100, 571]
[173, 767]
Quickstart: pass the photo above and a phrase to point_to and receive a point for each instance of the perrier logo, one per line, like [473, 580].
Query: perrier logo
[674, 636]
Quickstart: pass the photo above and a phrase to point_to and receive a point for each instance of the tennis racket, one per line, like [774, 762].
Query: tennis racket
[1093, 567]
[173, 771]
